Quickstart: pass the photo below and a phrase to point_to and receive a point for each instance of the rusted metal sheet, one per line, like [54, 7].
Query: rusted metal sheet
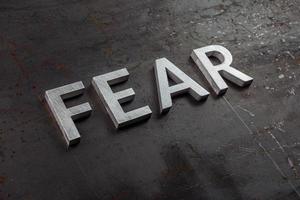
[242, 145]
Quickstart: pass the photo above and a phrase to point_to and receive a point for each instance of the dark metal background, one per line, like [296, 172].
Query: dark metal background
[244, 145]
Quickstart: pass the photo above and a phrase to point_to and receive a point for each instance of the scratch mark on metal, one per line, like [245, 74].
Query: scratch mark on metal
[247, 111]
[262, 147]
[277, 142]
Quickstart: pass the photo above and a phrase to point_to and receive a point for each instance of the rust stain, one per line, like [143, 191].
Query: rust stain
[13, 47]
[98, 23]
[14, 50]
[297, 60]
[176, 170]
[2, 180]
[60, 66]
[121, 195]
[108, 51]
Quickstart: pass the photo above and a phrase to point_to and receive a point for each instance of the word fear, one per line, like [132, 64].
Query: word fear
[164, 69]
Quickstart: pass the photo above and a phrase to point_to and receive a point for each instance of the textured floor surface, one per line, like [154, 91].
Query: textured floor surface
[244, 145]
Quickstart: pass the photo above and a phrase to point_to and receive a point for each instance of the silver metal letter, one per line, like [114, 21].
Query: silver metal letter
[113, 100]
[214, 73]
[164, 69]
[65, 116]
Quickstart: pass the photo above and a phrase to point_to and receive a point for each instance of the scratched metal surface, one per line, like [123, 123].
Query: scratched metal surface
[244, 145]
